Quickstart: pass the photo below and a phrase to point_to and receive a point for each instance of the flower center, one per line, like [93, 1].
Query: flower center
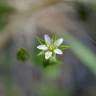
[51, 47]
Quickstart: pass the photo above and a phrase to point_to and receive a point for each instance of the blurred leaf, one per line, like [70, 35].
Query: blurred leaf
[54, 36]
[84, 53]
[52, 71]
[62, 47]
[3, 22]
[5, 11]
[40, 53]
[41, 41]
[22, 54]
[50, 62]
[36, 60]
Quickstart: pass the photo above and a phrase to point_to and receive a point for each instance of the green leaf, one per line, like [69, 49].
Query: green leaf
[52, 71]
[5, 11]
[50, 62]
[54, 37]
[41, 53]
[22, 54]
[62, 47]
[41, 41]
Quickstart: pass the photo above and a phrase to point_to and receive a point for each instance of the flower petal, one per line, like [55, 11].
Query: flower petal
[48, 54]
[58, 42]
[47, 39]
[42, 47]
[58, 51]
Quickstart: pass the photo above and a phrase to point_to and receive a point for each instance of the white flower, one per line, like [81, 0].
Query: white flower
[51, 48]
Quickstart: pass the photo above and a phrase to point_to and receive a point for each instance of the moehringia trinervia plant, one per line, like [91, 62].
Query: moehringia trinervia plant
[51, 47]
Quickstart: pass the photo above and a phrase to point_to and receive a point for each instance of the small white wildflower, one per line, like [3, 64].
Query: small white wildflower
[51, 48]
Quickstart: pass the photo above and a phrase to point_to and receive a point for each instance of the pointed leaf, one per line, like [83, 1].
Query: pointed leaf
[41, 41]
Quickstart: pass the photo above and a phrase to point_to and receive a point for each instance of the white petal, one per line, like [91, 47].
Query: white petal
[48, 54]
[47, 39]
[58, 42]
[58, 51]
[42, 47]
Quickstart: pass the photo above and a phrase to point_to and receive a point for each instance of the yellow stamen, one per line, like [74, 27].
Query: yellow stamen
[51, 47]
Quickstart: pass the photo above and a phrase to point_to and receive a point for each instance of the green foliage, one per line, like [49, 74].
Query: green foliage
[62, 47]
[54, 37]
[5, 11]
[35, 57]
[41, 41]
[84, 54]
[22, 54]
[50, 62]
[52, 71]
